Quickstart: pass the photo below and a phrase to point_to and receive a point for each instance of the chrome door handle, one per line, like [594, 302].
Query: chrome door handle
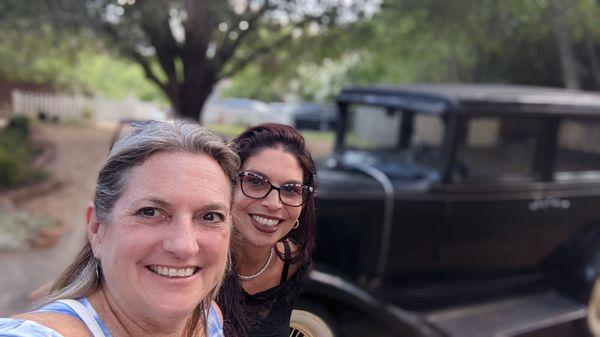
[549, 202]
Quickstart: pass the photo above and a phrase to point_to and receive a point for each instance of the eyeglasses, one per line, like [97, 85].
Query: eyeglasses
[256, 186]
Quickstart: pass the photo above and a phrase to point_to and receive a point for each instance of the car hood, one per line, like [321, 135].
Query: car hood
[341, 176]
[397, 166]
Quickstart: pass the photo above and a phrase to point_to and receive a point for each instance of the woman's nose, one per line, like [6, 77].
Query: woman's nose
[181, 240]
[272, 200]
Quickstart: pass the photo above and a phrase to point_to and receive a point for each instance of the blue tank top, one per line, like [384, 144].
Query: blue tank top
[10, 327]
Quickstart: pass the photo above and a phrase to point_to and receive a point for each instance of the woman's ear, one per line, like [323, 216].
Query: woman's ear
[93, 229]
[89, 211]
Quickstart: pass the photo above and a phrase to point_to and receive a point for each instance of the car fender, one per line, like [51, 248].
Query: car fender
[588, 260]
[326, 288]
[577, 261]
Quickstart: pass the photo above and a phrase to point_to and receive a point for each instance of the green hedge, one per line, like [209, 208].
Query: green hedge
[16, 153]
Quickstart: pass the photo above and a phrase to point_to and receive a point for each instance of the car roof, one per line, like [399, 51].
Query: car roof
[465, 98]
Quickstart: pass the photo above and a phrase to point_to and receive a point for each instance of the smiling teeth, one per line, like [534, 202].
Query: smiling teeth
[265, 221]
[173, 272]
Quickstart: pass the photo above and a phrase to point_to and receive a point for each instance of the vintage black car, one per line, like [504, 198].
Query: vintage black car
[459, 210]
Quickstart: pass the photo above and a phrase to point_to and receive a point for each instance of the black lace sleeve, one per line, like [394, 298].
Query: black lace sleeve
[268, 312]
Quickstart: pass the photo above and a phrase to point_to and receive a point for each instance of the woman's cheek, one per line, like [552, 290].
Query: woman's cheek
[218, 242]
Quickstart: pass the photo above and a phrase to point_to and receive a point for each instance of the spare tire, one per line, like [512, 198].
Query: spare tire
[311, 320]
[593, 312]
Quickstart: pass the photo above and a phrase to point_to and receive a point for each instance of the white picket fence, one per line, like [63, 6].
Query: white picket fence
[64, 107]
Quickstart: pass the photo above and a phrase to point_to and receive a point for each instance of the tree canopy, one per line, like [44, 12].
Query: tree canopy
[186, 47]
[309, 48]
[508, 41]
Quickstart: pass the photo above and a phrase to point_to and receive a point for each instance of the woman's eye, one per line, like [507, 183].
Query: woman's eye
[149, 212]
[257, 181]
[213, 217]
[291, 189]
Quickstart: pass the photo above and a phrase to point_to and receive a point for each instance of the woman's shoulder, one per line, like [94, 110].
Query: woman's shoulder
[47, 324]
[17, 327]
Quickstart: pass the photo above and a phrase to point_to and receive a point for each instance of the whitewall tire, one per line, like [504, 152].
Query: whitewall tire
[308, 324]
[593, 315]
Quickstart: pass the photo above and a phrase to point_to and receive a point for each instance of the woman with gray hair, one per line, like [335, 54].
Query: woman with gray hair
[158, 242]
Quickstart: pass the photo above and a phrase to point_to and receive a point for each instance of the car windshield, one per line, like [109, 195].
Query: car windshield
[387, 138]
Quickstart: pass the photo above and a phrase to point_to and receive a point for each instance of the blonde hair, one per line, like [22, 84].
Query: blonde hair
[84, 276]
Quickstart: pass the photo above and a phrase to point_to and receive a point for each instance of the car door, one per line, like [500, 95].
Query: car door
[571, 199]
[490, 225]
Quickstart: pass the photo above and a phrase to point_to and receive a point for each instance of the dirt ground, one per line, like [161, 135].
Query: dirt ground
[80, 151]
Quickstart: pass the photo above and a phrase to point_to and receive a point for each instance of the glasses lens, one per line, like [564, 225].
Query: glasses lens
[292, 194]
[255, 186]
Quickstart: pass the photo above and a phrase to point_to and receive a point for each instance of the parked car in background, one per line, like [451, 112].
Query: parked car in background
[242, 111]
[460, 210]
[309, 116]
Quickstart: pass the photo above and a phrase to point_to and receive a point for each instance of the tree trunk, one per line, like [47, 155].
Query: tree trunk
[192, 96]
[568, 61]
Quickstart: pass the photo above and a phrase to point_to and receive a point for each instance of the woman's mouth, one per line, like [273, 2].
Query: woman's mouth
[173, 272]
[265, 224]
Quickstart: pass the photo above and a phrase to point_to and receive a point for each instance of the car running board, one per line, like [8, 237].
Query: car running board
[513, 317]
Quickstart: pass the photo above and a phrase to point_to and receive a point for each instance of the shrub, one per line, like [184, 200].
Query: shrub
[87, 113]
[19, 126]
[16, 153]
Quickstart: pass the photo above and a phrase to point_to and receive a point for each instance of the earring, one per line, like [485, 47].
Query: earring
[296, 225]
[98, 270]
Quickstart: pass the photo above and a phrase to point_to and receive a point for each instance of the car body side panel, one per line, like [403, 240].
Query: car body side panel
[488, 234]
[347, 236]
[566, 211]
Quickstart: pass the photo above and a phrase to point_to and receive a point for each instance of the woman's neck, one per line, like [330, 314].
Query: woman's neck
[252, 258]
[120, 323]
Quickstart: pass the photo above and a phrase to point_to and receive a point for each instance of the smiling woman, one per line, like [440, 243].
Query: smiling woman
[159, 232]
[274, 215]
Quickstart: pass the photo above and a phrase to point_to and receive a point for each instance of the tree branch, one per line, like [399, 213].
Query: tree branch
[135, 56]
[227, 49]
[264, 49]
[253, 55]
[148, 72]
[165, 53]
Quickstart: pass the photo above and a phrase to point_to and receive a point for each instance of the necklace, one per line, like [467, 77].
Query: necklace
[255, 275]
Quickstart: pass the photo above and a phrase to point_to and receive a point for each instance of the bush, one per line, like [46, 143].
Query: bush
[19, 126]
[87, 113]
[16, 154]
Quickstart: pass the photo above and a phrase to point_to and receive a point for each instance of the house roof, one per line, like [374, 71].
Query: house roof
[477, 98]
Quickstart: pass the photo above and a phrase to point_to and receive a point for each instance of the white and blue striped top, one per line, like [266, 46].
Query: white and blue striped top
[11, 327]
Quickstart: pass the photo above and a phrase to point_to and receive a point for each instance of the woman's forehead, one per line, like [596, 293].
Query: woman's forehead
[275, 164]
[173, 173]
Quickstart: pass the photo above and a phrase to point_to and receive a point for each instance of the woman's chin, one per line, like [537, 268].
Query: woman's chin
[171, 310]
[262, 238]
[174, 305]
[265, 242]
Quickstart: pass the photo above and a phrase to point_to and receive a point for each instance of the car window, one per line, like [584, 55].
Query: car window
[578, 150]
[373, 128]
[494, 147]
[370, 127]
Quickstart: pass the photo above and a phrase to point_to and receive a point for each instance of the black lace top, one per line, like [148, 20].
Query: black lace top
[269, 311]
